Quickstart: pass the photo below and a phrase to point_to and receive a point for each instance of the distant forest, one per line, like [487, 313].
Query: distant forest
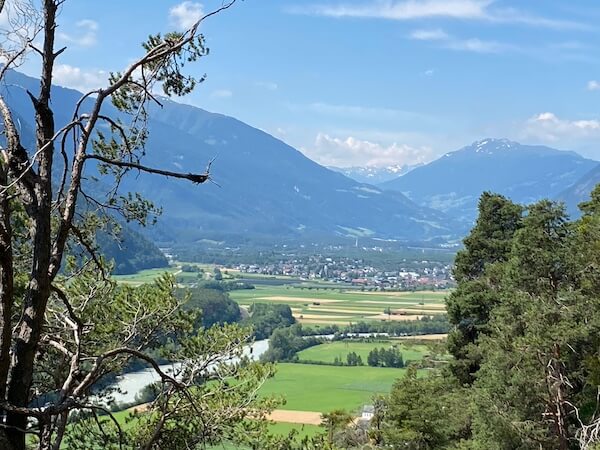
[131, 253]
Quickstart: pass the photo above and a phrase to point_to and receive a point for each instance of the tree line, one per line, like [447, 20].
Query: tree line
[385, 357]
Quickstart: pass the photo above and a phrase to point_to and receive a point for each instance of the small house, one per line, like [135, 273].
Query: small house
[368, 412]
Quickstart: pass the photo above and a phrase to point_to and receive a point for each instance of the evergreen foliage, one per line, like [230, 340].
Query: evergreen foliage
[385, 357]
[525, 337]
[266, 317]
[215, 306]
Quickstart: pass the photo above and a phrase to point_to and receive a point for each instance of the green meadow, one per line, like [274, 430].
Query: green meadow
[145, 276]
[320, 388]
[328, 351]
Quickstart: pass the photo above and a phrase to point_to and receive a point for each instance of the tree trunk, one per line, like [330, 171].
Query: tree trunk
[30, 329]
[556, 382]
[38, 290]
[6, 294]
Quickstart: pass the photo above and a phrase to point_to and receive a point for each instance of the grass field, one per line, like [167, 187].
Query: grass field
[328, 351]
[324, 305]
[308, 387]
[144, 276]
[303, 430]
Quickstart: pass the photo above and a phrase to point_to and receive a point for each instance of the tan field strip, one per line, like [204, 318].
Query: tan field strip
[391, 302]
[401, 293]
[365, 312]
[323, 322]
[436, 306]
[410, 312]
[302, 417]
[424, 337]
[283, 298]
[322, 316]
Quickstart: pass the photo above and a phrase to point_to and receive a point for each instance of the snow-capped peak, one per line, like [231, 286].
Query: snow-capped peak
[490, 145]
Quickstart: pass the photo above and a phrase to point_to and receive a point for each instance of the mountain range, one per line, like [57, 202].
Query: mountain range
[524, 173]
[375, 175]
[264, 190]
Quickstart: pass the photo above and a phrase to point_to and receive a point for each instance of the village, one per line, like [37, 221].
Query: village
[412, 275]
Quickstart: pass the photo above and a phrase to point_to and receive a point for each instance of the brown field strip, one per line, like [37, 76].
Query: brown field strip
[411, 312]
[322, 316]
[424, 337]
[283, 298]
[391, 302]
[365, 312]
[301, 417]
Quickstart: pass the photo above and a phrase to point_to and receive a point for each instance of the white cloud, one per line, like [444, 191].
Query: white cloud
[593, 85]
[511, 15]
[549, 127]
[184, 15]
[481, 10]
[478, 46]
[86, 36]
[76, 78]
[453, 43]
[405, 10]
[429, 72]
[268, 85]
[344, 152]
[222, 93]
[429, 35]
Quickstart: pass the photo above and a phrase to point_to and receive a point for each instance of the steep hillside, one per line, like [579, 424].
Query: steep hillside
[580, 191]
[263, 188]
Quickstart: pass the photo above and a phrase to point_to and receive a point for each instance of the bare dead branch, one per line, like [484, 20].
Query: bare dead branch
[194, 178]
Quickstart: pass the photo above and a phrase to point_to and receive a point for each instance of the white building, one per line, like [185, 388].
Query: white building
[368, 412]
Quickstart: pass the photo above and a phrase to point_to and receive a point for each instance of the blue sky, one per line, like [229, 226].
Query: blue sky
[371, 82]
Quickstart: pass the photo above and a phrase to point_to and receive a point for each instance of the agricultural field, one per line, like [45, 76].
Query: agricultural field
[328, 351]
[145, 276]
[313, 302]
[321, 388]
[342, 306]
[312, 389]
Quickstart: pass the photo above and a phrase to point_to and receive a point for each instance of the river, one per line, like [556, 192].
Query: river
[130, 384]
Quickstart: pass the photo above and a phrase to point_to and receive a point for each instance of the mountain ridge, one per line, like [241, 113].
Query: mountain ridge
[266, 188]
[525, 173]
[375, 174]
